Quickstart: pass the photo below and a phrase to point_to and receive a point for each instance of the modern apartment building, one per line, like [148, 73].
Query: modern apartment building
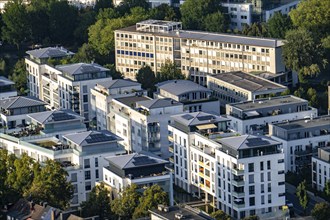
[301, 140]
[7, 89]
[142, 123]
[82, 155]
[103, 93]
[240, 14]
[253, 117]
[140, 169]
[193, 96]
[196, 53]
[241, 175]
[234, 87]
[321, 168]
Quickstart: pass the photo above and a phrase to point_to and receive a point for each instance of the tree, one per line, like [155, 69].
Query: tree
[220, 215]
[251, 217]
[302, 195]
[126, 5]
[19, 76]
[327, 188]
[51, 185]
[216, 22]
[85, 20]
[278, 25]
[86, 54]
[102, 4]
[286, 92]
[256, 29]
[114, 73]
[16, 23]
[98, 203]
[169, 71]
[321, 211]
[125, 205]
[302, 53]
[152, 196]
[163, 12]
[39, 23]
[146, 77]
[312, 97]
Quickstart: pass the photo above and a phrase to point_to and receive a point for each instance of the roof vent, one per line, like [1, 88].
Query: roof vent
[160, 207]
[166, 209]
[178, 216]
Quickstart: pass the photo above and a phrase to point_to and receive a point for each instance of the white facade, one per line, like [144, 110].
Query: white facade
[321, 168]
[240, 14]
[283, 9]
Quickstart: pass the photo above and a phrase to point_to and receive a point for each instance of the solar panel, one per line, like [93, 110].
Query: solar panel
[205, 118]
[187, 117]
[96, 138]
[62, 116]
[253, 142]
[143, 160]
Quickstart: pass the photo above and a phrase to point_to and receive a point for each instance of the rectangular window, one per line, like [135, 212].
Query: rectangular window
[87, 175]
[261, 165]
[268, 165]
[73, 177]
[96, 174]
[251, 167]
[86, 164]
[88, 186]
[96, 162]
[252, 201]
[251, 190]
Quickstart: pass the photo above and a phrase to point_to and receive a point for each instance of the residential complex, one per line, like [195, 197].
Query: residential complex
[142, 122]
[241, 175]
[139, 169]
[253, 117]
[177, 212]
[7, 89]
[240, 14]
[234, 87]
[196, 53]
[321, 168]
[301, 140]
[193, 96]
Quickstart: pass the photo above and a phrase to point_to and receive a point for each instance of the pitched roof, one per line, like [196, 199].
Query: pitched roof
[134, 160]
[20, 102]
[198, 118]
[158, 103]
[247, 141]
[92, 137]
[56, 115]
[118, 83]
[49, 52]
[179, 87]
[5, 82]
[79, 68]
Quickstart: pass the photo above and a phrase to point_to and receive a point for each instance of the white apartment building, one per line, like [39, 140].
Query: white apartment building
[253, 117]
[7, 89]
[82, 155]
[241, 175]
[103, 93]
[301, 140]
[321, 168]
[142, 123]
[193, 96]
[234, 87]
[197, 53]
[152, 3]
[240, 14]
[140, 169]
[283, 9]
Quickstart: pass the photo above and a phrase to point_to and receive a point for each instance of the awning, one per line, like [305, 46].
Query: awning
[251, 113]
[207, 126]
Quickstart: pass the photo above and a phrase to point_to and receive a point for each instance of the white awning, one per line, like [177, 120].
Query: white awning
[252, 113]
[207, 126]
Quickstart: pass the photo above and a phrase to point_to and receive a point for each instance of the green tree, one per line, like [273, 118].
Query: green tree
[302, 195]
[220, 215]
[300, 92]
[286, 92]
[39, 23]
[302, 53]
[327, 188]
[102, 4]
[85, 20]
[256, 29]
[169, 71]
[16, 27]
[19, 76]
[163, 12]
[126, 5]
[125, 205]
[85, 54]
[278, 25]
[321, 211]
[114, 73]
[312, 97]
[216, 22]
[98, 203]
[152, 196]
[51, 185]
[146, 77]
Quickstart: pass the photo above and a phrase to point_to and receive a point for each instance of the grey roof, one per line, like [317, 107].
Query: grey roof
[218, 37]
[179, 87]
[20, 102]
[158, 103]
[92, 137]
[49, 52]
[198, 118]
[118, 83]
[80, 68]
[132, 100]
[130, 160]
[305, 123]
[55, 116]
[248, 82]
[247, 141]
[5, 82]
[268, 102]
[187, 213]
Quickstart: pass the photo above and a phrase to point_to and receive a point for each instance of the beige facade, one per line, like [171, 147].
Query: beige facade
[151, 42]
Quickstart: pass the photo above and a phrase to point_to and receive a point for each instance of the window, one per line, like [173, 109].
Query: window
[251, 178]
[261, 165]
[269, 187]
[88, 186]
[73, 177]
[251, 167]
[262, 200]
[96, 162]
[251, 190]
[96, 174]
[269, 176]
[268, 165]
[252, 201]
[85, 89]
[86, 163]
[269, 198]
[85, 98]
[87, 175]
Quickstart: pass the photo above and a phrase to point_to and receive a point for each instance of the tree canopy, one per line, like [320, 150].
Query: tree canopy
[146, 77]
[302, 195]
[220, 215]
[19, 76]
[321, 211]
[169, 71]
[278, 25]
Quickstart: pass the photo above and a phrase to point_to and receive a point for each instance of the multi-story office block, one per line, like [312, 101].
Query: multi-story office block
[7, 89]
[238, 86]
[321, 168]
[139, 169]
[253, 117]
[103, 93]
[301, 139]
[197, 53]
[193, 96]
[142, 123]
[82, 155]
[14, 110]
[241, 175]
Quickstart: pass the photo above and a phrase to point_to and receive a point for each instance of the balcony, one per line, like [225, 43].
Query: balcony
[237, 172]
[238, 205]
[171, 149]
[171, 159]
[238, 194]
[170, 138]
[238, 183]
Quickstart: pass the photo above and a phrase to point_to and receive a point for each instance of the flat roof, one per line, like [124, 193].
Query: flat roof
[132, 100]
[248, 81]
[187, 213]
[268, 102]
[209, 36]
[305, 123]
[158, 103]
